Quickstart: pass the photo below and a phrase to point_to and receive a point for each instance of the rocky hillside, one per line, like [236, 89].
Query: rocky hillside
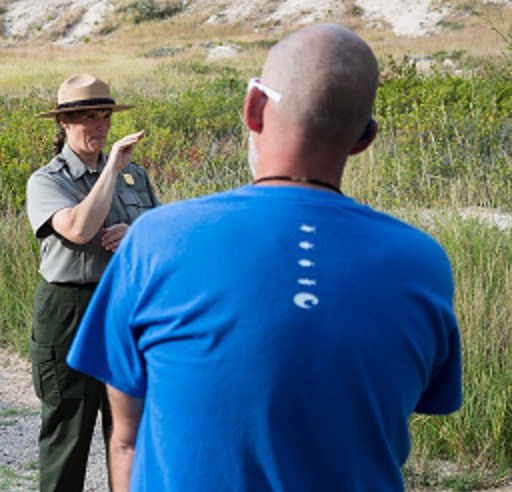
[75, 21]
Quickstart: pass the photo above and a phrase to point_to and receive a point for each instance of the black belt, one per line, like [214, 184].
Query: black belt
[86, 285]
[73, 285]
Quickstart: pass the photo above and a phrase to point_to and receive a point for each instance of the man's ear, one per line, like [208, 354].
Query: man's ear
[369, 133]
[254, 104]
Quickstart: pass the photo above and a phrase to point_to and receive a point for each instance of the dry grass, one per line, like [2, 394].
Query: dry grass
[66, 21]
[120, 57]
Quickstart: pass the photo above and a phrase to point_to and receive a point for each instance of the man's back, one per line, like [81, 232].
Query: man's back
[281, 338]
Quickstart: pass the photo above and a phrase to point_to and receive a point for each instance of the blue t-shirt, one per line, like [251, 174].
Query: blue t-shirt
[281, 338]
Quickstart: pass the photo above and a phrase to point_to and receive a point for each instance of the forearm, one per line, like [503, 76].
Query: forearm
[80, 223]
[126, 414]
[120, 464]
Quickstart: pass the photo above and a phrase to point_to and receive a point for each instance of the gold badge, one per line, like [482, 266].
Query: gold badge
[128, 179]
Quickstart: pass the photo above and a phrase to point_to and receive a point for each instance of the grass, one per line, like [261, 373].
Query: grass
[18, 274]
[8, 416]
[444, 144]
[7, 413]
[17, 476]
[479, 437]
[11, 480]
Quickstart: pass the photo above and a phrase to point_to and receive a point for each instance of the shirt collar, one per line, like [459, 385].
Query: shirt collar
[76, 166]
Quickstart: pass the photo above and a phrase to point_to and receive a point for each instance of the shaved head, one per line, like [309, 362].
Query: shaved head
[327, 77]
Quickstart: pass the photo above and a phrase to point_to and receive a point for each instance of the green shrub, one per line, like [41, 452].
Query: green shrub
[445, 129]
[443, 139]
[152, 10]
[24, 144]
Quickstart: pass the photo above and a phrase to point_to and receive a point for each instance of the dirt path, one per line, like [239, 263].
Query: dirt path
[19, 427]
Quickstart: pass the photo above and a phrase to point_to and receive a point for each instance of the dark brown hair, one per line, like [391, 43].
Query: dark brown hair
[60, 138]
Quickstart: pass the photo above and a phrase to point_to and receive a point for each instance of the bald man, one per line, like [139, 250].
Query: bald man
[276, 337]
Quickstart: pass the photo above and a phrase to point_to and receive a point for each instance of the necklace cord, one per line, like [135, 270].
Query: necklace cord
[299, 179]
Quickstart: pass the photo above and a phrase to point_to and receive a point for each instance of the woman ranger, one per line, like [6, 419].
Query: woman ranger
[80, 206]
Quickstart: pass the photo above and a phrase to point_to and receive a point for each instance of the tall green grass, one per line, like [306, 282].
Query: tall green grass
[444, 143]
[19, 255]
[479, 437]
[444, 139]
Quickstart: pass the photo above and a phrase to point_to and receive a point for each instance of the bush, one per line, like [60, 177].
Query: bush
[151, 10]
[24, 145]
[446, 129]
[443, 139]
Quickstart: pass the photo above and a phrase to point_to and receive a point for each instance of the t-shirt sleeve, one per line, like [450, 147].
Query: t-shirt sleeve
[443, 394]
[105, 346]
[45, 197]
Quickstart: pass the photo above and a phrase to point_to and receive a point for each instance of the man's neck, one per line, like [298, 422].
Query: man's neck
[298, 180]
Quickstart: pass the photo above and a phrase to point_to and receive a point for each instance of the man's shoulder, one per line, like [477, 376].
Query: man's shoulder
[187, 210]
[200, 203]
[402, 226]
[403, 239]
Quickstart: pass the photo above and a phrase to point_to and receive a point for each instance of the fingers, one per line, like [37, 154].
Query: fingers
[111, 236]
[130, 140]
[122, 150]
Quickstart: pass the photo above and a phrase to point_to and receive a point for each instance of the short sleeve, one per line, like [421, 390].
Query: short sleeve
[444, 392]
[45, 197]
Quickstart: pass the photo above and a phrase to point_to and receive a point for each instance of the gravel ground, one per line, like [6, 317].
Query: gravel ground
[19, 427]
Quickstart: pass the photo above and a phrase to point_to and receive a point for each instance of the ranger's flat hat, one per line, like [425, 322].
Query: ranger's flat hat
[81, 92]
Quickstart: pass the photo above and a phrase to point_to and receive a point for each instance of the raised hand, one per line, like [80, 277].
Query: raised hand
[121, 151]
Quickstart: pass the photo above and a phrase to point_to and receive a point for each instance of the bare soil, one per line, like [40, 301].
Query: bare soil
[19, 428]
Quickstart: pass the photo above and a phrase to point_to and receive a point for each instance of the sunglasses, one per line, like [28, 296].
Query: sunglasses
[276, 97]
[270, 93]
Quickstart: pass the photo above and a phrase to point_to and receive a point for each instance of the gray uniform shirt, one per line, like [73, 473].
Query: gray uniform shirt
[65, 182]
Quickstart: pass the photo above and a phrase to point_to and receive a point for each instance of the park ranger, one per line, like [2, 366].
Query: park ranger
[80, 206]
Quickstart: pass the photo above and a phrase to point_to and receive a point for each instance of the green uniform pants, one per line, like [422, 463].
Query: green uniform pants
[70, 400]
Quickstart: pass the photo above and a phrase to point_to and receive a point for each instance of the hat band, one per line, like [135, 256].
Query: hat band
[100, 101]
